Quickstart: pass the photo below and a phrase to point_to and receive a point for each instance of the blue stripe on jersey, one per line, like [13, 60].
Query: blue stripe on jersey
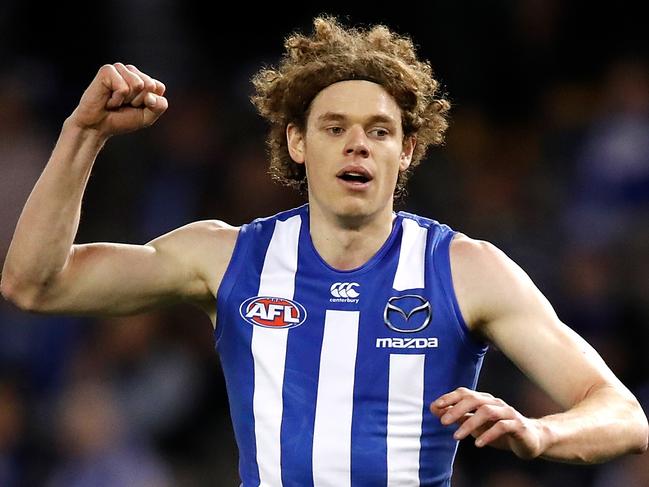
[468, 356]
[453, 363]
[236, 357]
[302, 366]
[369, 425]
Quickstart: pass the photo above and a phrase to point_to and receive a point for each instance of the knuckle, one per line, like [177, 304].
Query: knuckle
[474, 403]
[138, 84]
[490, 412]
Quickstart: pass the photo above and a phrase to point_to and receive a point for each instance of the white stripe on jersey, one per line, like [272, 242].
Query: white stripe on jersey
[405, 408]
[269, 351]
[332, 433]
[412, 257]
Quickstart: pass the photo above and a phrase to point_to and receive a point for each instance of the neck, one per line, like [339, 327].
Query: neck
[348, 242]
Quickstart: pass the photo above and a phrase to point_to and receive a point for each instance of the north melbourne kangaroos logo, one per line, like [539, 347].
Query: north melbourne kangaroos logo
[271, 312]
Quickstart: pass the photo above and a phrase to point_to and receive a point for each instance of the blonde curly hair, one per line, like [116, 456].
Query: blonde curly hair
[336, 53]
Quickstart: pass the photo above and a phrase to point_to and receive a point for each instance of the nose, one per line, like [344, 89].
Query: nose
[357, 143]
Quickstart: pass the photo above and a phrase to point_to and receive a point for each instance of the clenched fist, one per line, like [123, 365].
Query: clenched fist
[120, 99]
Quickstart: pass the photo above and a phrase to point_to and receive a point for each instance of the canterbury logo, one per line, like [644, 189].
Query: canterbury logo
[345, 290]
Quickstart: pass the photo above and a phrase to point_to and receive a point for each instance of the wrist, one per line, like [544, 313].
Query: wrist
[92, 136]
[546, 435]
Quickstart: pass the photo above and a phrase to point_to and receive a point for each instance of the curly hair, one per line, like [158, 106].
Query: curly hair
[335, 53]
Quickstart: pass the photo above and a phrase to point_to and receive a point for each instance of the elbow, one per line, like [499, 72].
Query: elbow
[644, 447]
[643, 444]
[22, 296]
[640, 428]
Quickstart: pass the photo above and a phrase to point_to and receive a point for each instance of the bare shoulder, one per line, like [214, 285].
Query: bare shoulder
[200, 230]
[199, 234]
[487, 282]
[477, 255]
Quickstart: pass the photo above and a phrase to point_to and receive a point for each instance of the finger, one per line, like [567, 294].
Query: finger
[149, 85]
[452, 397]
[437, 411]
[468, 405]
[153, 85]
[115, 84]
[155, 106]
[160, 87]
[481, 420]
[135, 83]
[458, 410]
[464, 418]
[497, 431]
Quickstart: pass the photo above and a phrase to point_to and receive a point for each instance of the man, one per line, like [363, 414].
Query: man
[340, 323]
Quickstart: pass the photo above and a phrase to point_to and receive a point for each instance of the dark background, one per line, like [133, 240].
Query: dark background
[547, 156]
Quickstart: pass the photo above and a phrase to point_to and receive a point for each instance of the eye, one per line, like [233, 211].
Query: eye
[380, 132]
[335, 130]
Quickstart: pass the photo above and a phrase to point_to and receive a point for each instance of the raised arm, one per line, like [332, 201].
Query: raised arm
[602, 418]
[45, 272]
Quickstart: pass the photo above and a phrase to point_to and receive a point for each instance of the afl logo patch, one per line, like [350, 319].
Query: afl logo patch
[271, 312]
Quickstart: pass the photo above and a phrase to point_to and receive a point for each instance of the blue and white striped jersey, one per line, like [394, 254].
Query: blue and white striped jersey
[330, 373]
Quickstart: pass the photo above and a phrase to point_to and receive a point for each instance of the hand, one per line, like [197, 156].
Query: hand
[120, 99]
[492, 421]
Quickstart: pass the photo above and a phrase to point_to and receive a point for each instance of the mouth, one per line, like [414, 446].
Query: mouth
[355, 177]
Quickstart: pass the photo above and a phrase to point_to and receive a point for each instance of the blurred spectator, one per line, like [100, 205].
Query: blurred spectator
[612, 185]
[97, 448]
[630, 471]
[23, 153]
[155, 382]
[11, 433]
[540, 160]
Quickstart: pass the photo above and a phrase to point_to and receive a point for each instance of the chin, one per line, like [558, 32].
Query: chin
[354, 210]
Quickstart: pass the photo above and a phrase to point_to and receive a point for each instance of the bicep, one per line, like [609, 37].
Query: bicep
[509, 310]
[113, 279]
[551, 354]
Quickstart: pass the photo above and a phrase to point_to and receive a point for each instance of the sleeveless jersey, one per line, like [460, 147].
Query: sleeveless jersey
[330, 373]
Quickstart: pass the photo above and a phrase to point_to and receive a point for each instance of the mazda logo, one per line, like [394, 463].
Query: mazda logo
[422, 311]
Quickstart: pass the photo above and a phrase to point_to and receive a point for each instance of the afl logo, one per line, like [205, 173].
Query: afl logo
[272, 312]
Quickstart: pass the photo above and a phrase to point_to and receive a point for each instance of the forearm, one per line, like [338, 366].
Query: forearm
[604, 425]
[48, 224]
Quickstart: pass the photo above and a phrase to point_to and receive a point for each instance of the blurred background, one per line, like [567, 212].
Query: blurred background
[547, 156]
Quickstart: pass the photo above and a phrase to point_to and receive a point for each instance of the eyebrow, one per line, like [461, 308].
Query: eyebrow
[333, 116]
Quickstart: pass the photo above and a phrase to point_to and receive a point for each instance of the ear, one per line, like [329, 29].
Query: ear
[409, 144]
[296, 143]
